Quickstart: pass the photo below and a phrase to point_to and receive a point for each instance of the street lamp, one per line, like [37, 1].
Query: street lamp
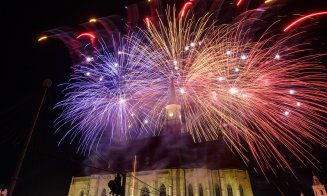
[46, 84]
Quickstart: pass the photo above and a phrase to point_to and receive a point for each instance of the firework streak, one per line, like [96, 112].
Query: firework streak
[265, 96]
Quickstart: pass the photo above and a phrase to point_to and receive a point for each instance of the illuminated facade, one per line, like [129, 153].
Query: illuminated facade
[318, 188]
[179, 182]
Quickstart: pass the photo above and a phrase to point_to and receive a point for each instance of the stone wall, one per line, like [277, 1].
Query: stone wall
[176, 182]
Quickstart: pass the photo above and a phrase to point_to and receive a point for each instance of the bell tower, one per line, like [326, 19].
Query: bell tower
[173, 118]
[318, 188]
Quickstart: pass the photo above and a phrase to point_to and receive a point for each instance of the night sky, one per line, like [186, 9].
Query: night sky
[47, 169]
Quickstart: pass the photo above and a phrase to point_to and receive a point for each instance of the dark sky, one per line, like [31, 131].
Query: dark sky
[47, 169]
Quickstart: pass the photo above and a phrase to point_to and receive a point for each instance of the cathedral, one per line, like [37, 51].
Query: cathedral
[188, 182]
[169, 164]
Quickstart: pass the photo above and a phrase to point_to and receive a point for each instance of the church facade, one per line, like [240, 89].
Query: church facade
[170, 164]
[178, 182]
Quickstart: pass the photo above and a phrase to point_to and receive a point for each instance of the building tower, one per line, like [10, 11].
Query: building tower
[318, 188]
[173, 116]
[209, 168]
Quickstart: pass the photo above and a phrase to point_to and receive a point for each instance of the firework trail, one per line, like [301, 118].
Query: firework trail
[267, 93]
[102, 97]
[263, 95]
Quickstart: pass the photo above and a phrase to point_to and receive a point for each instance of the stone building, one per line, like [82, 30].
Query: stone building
[188, 182]
[170, 164]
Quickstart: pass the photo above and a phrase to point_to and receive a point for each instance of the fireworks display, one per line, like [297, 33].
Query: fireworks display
[303, 18]
[265, 95]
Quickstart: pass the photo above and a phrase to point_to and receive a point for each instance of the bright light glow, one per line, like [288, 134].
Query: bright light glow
[146, 121]
[42, 38]
[176, 68]
[192, 44]
[182, 91]
[214, 95]
[277, 56]
[291, 92]
[244, 95]
[298, 104]
[260, 9]
[268, 1]
[233, 90]
[185, 8]
[171, 114]
[120, 52]
[101, 78]
[147, 21]
[149, 1]
[93, 20]
[243, 57]
[228, 52]
[87, 73]
[122, 100]
[220, 78]
[89, 35]
[286, 113]
[116, 64]
[129, 126]
[302, 19]
[187, 48]
[239, 2]
[237, 69]
[89, 59]
[175, 62]
[200, 42]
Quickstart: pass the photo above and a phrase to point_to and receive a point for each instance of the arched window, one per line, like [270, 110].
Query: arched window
[217, 190]
[190, 190]
[81, 193]
[229, 190]
[145, 192]
[241, 190]
[200, 190]
[104, 192]
[162, 190]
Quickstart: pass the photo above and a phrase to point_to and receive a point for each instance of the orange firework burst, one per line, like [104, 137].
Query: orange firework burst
[262, 96]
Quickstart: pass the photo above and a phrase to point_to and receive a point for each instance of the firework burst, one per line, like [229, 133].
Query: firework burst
[102, 97]
[267, 93]
[262, 95]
